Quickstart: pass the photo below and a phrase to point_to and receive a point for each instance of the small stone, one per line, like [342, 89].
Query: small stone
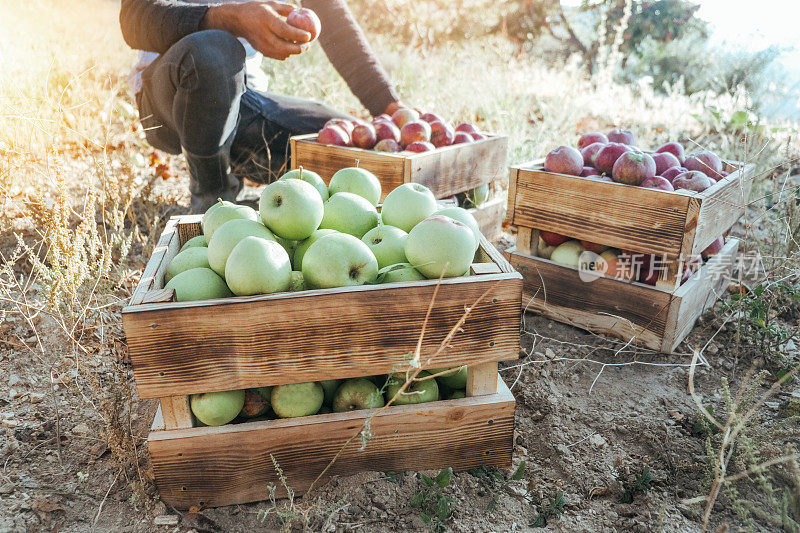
[166, 520]
[7, 488]
[81, 429]
[36, 397]
[712, 349]
[597, 440]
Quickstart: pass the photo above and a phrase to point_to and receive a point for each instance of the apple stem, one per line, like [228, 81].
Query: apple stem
[357, 162]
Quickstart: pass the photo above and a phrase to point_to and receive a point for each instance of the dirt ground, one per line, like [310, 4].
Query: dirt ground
[584, 430]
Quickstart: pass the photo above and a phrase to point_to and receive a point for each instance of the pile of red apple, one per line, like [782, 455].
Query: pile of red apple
[615, 157]
[406, 129]
[612, 262]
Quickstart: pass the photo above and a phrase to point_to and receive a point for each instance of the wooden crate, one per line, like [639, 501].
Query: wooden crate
[628, 310]
[490, 216]
[445, 171]
[672, 225]
[183, 348]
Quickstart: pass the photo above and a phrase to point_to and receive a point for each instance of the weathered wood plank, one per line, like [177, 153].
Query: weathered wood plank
[524, 240]
[159, 296]
[722, 205]
[233, 464]
[176, 412]
[477, 269]
[490, 217]
[482, 379]
[153, 275]
[512, 195]
[314, 335]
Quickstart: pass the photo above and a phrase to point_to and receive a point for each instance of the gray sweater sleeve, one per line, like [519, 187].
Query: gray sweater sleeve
[349, 52]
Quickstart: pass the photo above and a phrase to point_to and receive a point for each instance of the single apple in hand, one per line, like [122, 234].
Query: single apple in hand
[339, 260]
[307, 20]
[358, 181]
[355, 394]
[217, 408]
[297, 399]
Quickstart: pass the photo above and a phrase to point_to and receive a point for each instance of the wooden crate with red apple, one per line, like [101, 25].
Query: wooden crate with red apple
[672, 227]
[182, 348]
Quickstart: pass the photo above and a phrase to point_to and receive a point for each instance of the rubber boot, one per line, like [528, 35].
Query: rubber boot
[210, 179]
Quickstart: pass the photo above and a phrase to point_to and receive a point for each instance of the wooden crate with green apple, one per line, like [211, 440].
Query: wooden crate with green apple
[228, 350]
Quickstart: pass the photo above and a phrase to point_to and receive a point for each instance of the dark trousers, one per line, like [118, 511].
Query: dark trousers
[195, 100]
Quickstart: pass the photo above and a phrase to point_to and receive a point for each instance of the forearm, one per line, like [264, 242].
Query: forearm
[349, 52]
[155, 25]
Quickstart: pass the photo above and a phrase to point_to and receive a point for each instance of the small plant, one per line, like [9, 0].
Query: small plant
[494, 481]
[639, 485]
[435, 507]
[550, 509]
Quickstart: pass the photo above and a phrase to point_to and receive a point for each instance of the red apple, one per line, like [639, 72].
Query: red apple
[430, 118]
[415, 131]
[387, 130]
[383, 116]
[305, 19]
[658, 182]
[420, 146]
[605, 158]
[462, 137]
[388, 145]
[346, 125]
[594, 247]
[674, 148]
[591, 138]
[589, 152]
[713, 248]
[553, 239]
[589, 171]
[333, 135]
[693, 180]
[706, 162]
[364, 136]
[478, 136]
[403, 115]
[622, 137]
[467, 128]
[632, 168]
[564, 160]
[442, 134]
[664, 160]
[670, 173]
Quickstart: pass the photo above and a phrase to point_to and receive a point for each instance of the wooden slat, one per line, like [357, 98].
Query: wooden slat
[189, 227]
[477, 269]
[698, 294]
[158, 420]
[512, 194]
[524, 240]
[459, 168]
[489, 254]
[605, 305]
[159, 296]
[153, 275]
[176, 412]
[232, 464]
[446, 171]
[490, 217]
[214, 345]
[482, 379]
[722, 206]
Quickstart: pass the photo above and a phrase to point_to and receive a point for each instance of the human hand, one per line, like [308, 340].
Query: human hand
[262, 24]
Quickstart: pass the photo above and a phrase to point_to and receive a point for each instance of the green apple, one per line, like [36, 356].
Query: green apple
[567, 253]
[297, 282]
[258, 266]
[456, 394]
[220, 213]
[417, 392]
[292, 209]
[217, 408]
[198, 284]
[387, 243]
[465, 217]
[200, 240]
[297, 399]
[330, 386]
[479, 195]
[309, 177]
[356, 394]
[324, 410]
[228, 235]
[194, 257]
[399, 272]
[256, 402]
[289, 246]
[349, 213]
[339, 260]
[455, 380]
[303, 246]
[407, 205]
[357, 181]
[440, 246]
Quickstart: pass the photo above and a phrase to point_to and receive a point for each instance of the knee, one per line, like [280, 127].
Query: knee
[213, 52]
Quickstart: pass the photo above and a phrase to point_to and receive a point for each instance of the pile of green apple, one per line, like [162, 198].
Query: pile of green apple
[320, 397]
[308, 235]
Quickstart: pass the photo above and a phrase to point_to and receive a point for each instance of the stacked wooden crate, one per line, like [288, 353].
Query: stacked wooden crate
[446, 171]
[673, 226]
[183, 348]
